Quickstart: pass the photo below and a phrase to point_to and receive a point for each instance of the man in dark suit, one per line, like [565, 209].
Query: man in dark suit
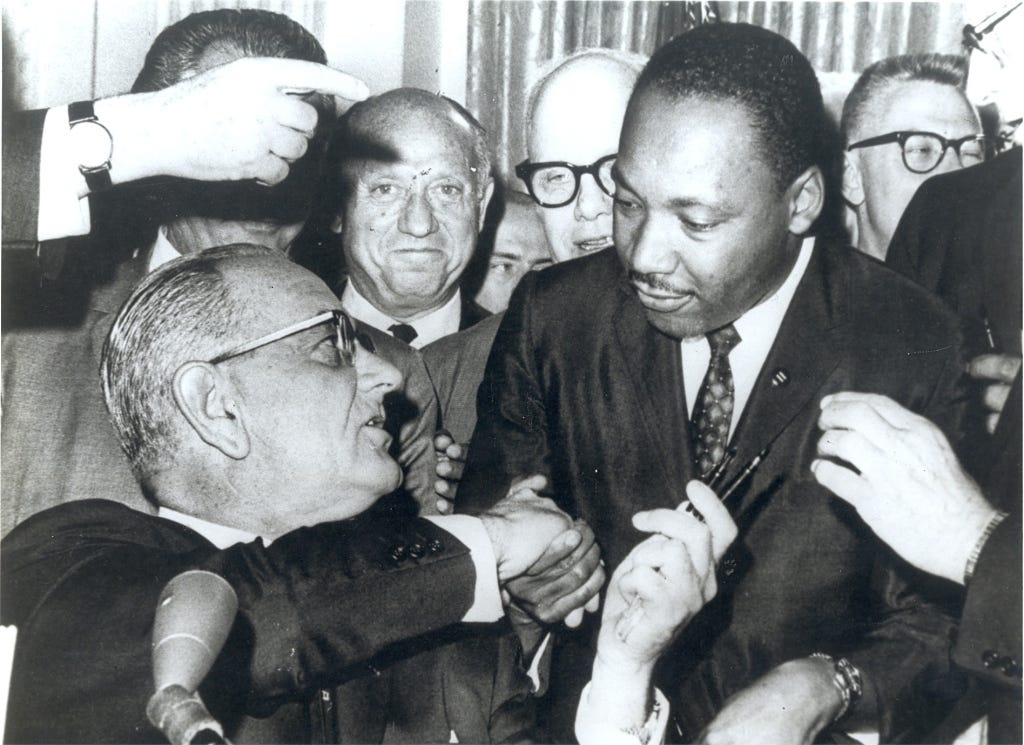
[57, 442]
[409, 181]
[720, 304]
[254, 417]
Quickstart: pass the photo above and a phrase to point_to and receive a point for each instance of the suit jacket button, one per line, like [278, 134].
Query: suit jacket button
[397, 554]
[1010, 667]
[416, 550]
[990, 658]
[729, 566]
[436, 546]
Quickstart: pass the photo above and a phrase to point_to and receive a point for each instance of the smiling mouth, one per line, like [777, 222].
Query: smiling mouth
[594, 244]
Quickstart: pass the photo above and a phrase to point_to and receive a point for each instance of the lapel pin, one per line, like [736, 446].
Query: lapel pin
[780, 378]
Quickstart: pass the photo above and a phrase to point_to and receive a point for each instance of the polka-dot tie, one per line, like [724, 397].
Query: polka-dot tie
[712, 412]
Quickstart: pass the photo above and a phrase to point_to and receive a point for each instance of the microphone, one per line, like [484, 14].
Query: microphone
[193, 618]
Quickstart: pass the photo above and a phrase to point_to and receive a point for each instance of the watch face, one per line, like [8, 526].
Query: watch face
[92, 144]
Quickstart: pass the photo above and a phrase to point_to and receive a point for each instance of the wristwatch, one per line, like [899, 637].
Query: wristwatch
[92, 145]
[847, 680]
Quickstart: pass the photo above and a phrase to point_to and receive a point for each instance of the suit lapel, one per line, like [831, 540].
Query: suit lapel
[806, 350]
[655, 380]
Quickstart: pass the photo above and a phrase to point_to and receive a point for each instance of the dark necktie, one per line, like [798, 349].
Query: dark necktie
[712, 411]
[403, 331]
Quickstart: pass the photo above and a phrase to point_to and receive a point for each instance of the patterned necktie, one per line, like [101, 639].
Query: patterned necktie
[712, 411]
[403, 331]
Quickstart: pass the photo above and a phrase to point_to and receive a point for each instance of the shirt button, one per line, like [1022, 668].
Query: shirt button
[416, 550]
[1010, 667]
[436, 546]
[397, 554]
[729, 566]
[990, 658]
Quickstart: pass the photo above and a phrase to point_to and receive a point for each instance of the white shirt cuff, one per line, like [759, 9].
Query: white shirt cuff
[62, 213]
[593, 729]
[487, 606]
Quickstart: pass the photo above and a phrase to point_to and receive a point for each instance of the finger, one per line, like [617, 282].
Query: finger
[455, 469]
[560, 548]
[445, 469]
[680, 526]
[442, 440]
[858, 450]
[444, 488]
[295, 114]
[270, 170]
[574, 619]
[576, 600]
[991, 422]
[717, 518]
[300, 75]
[288, 144]
[891, 412]
[457, 451]
[444, 506]
[995, 397]
[841, 481]
[536, 483]
[594, 604]
[1001, 367]
[859, 416]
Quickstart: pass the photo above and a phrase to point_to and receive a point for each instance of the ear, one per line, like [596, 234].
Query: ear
[337, 223]
[853, 184]
[209, 403]
[485, 199]
[806, 198]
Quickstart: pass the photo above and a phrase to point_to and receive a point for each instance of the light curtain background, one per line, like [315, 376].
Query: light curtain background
[509, 40]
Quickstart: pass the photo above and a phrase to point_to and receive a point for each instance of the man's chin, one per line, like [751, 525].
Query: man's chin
[678, 325]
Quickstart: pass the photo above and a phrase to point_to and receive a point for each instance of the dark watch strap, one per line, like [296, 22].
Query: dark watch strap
[96, 177]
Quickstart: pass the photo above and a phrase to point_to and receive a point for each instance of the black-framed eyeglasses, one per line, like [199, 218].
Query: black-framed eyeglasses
[346, 342]
[923, 151]
[555, 184]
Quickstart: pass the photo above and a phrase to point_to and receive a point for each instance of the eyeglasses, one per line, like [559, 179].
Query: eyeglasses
[923, 151]
[346, 342]
[555, 184]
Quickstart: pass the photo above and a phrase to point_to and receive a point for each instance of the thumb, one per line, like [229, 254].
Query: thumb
[522, 487]
[716, 516]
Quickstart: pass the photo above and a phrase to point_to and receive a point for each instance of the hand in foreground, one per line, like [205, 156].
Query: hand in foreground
[522, 525]
[789, 705]
[665, 580]
[451, 462]
[243, 120]
[911, 489]
[997, 371]
[564, 582]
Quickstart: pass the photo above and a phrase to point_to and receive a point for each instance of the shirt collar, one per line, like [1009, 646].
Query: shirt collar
[431, 327]
[220, 536]
[161, 251]
[764, 319]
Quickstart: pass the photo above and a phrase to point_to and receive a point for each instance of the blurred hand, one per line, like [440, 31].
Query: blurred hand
[911, 490]
[998, 372]
[522, 525]
[789, 705]
[665, 580]
[564, 582]
[243, 120]
[451, 462]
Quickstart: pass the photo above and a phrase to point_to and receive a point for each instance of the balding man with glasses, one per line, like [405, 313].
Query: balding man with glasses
[906, 119]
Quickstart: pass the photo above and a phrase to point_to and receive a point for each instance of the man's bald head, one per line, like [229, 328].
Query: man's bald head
[574, 115]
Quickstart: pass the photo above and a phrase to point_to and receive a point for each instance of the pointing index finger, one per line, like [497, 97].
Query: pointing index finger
[300, 76]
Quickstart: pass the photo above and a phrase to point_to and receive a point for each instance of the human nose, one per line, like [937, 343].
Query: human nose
[377, 376]
[650, 251]
[591, 202]
[417, 216]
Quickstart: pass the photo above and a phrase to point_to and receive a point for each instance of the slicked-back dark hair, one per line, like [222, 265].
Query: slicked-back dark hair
[763, 72]
[176, 51]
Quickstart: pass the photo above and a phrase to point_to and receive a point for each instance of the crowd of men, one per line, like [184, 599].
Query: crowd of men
[426, 425]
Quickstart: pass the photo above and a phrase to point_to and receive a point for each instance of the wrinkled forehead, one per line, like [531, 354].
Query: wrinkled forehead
[269, 293]
[920, 105]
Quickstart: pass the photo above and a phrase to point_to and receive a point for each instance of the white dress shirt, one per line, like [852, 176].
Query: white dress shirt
[438, 323]
[757, 328]
[61, 213]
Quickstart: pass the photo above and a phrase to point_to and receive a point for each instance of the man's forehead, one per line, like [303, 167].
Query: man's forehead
[408, 141]
[919, 104]
[274, 292]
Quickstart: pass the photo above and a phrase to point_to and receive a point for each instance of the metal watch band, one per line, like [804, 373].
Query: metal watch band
[96, 177]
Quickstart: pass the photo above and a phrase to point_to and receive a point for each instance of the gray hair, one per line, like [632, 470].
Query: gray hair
[945, 69]
[180, 312]
[633, 61]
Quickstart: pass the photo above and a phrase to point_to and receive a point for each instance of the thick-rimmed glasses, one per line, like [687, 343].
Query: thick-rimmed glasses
[346, 342]
[923, 151]
[555, 184]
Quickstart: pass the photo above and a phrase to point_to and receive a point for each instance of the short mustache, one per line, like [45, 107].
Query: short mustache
[655, 282]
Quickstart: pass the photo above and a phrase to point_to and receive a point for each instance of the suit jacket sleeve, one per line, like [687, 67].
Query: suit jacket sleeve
[510, 439]
[22, 139]
[989, 640]
[311, 605]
